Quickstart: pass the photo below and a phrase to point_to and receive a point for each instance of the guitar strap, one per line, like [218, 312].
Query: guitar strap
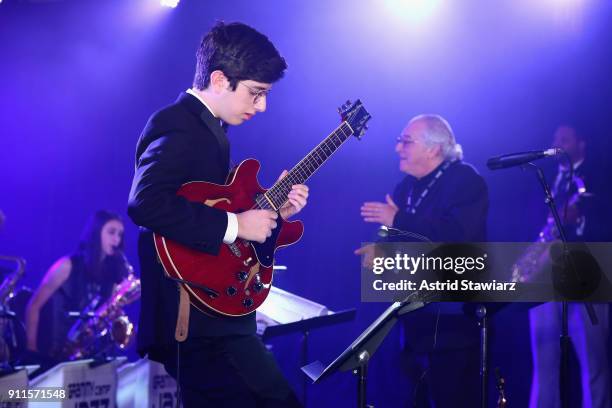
[182, 319]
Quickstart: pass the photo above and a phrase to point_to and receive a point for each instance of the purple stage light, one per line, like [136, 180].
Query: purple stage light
[416, 11]
[168, 3]
[568, 15]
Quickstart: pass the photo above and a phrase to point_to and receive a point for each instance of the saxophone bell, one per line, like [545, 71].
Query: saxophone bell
[122, 331]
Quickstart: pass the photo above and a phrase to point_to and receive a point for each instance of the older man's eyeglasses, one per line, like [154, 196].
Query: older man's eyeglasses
[404, 141]
[257, 94]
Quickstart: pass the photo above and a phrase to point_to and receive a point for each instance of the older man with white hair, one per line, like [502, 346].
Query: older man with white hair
[441, 197]
[445, 200]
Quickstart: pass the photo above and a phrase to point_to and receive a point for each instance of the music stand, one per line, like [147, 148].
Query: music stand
[285, 313]
[357, 355]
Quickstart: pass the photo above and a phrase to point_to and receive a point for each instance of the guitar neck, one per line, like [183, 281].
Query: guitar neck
[276, 196]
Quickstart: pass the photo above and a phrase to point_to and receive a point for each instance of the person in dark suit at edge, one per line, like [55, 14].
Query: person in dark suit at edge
[446, 200]
[222, 362]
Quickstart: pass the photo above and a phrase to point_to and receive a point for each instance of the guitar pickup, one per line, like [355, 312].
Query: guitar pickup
[235, 250]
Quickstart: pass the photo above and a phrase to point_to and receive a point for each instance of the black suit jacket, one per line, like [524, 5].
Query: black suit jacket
[454, 210]
[180, 143]
[593, 206]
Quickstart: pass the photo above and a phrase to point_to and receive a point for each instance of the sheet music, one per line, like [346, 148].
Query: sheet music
[282, 307]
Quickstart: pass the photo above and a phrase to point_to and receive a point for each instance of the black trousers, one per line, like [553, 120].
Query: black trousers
[229, 371]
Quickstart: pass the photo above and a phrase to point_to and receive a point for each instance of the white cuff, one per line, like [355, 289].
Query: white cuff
[231, 233]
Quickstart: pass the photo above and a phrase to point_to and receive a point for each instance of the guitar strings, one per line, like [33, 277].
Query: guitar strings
[308, 165]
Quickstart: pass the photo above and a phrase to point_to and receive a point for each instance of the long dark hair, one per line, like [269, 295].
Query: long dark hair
[90, 247]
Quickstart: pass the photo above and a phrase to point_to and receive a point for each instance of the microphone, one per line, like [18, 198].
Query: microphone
[516, 159]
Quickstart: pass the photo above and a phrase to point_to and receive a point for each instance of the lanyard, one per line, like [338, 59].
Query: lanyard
[411, 208]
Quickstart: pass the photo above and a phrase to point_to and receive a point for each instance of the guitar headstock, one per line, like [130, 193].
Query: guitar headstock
[356, 116]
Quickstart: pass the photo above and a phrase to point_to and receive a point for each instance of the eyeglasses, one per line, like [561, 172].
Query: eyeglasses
[257, 94]
[404, 141]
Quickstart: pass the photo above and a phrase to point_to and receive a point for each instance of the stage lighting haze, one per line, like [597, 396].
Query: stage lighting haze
[170, 3]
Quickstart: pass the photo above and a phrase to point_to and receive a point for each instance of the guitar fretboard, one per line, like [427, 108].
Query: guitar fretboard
[276, 196]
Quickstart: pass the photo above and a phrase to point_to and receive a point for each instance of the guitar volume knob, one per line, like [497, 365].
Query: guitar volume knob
[242, 276]
[231, 291]
[248, 302]
[257, 287]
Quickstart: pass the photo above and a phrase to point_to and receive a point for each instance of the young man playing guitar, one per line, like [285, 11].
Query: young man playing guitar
[218, 360]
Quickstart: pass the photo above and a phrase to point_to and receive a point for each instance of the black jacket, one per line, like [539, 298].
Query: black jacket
[455, 208]
[180, 143]
[593, 205]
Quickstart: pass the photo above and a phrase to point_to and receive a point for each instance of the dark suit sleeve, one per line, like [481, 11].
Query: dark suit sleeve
[594, 207]
[462, 216]
[161, 169]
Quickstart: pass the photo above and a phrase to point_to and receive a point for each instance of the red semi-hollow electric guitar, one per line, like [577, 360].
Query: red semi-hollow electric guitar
[237, 280]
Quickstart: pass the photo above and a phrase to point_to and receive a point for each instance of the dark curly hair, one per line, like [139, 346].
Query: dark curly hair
[241, 53]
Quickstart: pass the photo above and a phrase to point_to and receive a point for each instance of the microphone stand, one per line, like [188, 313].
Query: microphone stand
[481, 314]
[564, 338]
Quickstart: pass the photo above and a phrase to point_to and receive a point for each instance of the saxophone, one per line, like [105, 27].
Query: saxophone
[90, 336]
[7, 287]
[8, 340]
[532, 262]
